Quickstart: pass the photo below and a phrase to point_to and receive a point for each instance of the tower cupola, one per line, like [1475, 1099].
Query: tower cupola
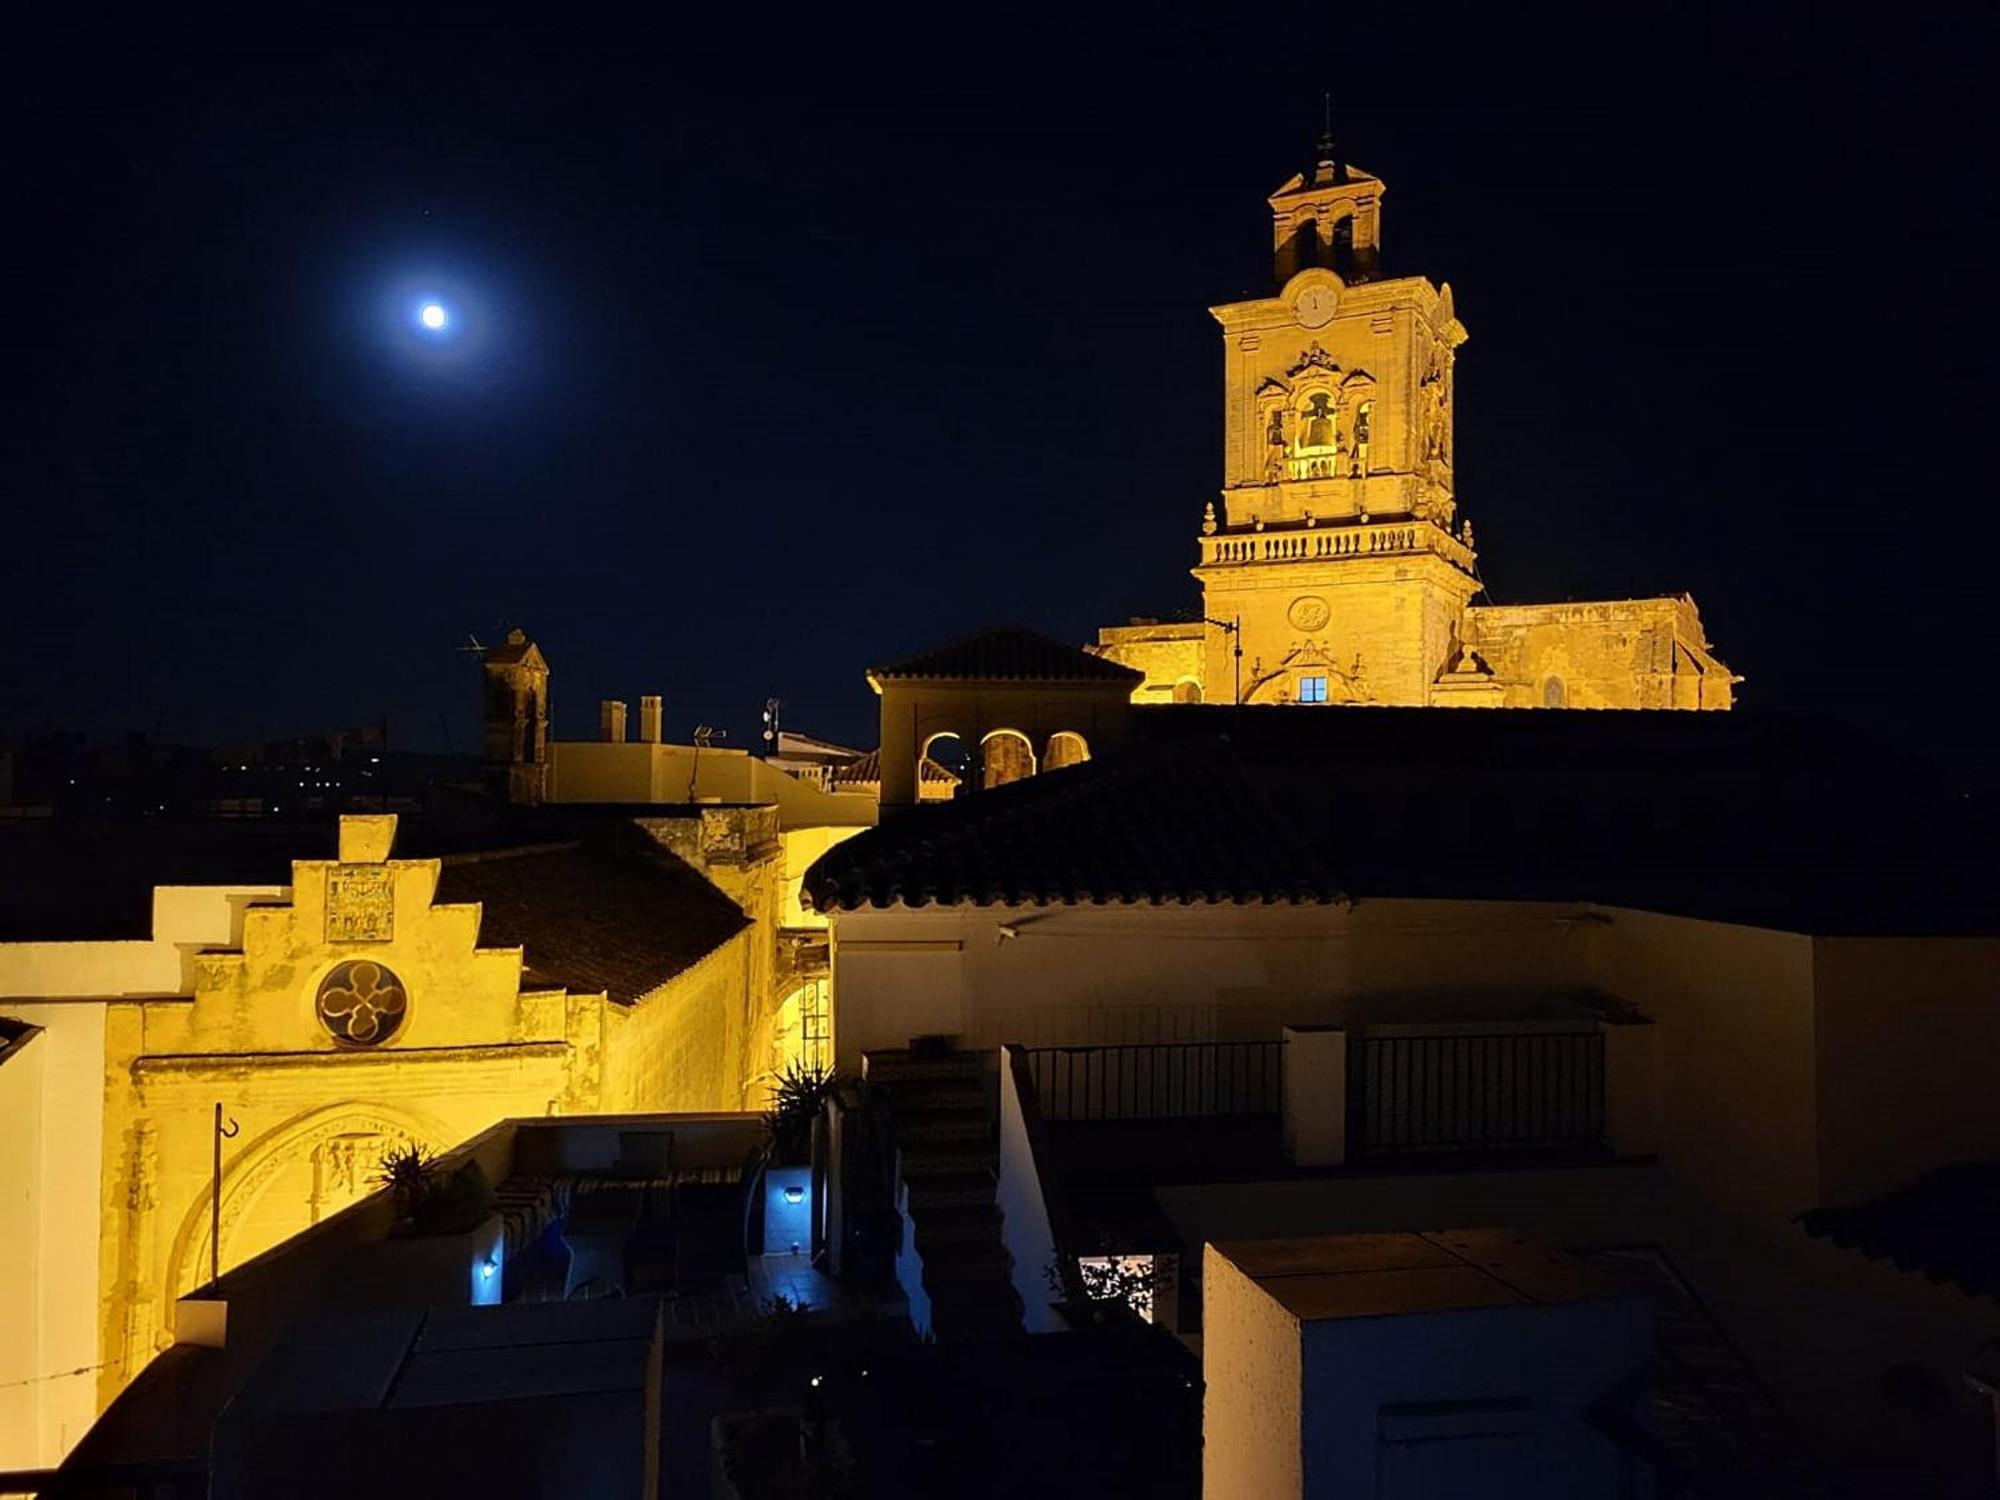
[1329, 215]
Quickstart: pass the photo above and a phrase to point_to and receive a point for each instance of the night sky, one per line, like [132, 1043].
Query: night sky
[784, 345]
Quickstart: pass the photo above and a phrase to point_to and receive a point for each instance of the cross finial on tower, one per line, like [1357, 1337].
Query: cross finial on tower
[1328, 160]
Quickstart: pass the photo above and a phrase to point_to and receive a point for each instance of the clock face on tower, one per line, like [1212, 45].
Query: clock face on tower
[1316, 305]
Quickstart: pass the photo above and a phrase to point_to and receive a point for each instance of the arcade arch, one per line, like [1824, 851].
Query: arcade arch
[1066, 748]
[1006, 755]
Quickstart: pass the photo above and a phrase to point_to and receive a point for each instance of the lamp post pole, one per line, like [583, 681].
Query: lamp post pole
[223, 1132]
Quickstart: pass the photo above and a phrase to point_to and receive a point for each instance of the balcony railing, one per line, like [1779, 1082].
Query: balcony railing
[1475, 1091]
[1157, 1080]
[1333, 538]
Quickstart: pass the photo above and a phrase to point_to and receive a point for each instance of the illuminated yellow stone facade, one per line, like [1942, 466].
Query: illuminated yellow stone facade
[1336, 567]
[359, 1013]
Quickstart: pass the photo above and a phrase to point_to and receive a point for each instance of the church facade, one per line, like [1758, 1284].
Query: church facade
[174, 1105]
[1336, 566]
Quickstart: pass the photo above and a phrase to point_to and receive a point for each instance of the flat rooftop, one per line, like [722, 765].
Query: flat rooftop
[1324, 1277]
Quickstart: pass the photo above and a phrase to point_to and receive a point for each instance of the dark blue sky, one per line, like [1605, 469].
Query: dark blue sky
[801, 343]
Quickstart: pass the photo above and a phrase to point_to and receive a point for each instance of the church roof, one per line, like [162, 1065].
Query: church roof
[616, 913]
[1007, 655]
[1774, 820]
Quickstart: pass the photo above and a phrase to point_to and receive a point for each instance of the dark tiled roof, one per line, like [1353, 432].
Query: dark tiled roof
[867, 771]
[1774, 820]
[616, 913]
[1945, 1225]
[1183, 825]
[1008, 655]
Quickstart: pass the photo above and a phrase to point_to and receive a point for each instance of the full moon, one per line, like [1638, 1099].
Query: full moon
[433, 315]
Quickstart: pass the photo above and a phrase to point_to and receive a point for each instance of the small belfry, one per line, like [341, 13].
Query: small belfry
[1335, 567]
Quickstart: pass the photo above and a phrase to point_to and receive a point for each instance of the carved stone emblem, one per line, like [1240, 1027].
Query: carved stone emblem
[362, 1003]
[1309, 612]
[360, 904]
[1315, 358]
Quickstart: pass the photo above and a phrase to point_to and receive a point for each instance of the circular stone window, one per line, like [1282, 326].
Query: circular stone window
[362, 1003]
[1309, 612]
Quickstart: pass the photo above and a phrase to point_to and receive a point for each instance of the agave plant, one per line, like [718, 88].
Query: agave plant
[410, 1174]
[795, 1104]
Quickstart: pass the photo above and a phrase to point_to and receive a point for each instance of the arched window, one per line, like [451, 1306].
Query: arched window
[1342, 258]
[1006, 756]
[1065, 749]
[1554, 694]
[948, 751]
[1364, 422]
[1187, 692]
[1316, 451]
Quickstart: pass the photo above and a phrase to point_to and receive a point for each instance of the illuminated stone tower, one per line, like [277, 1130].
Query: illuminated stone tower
[517, 720]
[1335, 567]
[1333, 542]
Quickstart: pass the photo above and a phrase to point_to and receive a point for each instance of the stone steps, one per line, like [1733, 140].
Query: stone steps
[942, 1223]
[945, 1109]
[973, 1124]
[936, 1190]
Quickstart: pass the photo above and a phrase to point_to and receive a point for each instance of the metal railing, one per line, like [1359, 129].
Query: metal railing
[1476, 1090]
[1157, 1080]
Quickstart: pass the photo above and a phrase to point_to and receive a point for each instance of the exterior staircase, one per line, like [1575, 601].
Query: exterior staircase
[945, 1107]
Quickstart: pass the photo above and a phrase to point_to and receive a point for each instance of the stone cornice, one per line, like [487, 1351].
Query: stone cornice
[1261, 314]
[201, 1064]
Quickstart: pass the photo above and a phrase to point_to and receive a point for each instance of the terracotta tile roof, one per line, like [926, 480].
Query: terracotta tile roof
[1186, 824]
[1008, 655]
[1946, 1225]
[618, 914]
[867, 771]
[1779, 821]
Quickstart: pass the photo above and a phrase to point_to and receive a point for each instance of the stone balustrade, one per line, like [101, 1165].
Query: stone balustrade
[1298, 543]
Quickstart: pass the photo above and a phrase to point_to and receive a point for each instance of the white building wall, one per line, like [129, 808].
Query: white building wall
[1061, 976]
[52, 1155]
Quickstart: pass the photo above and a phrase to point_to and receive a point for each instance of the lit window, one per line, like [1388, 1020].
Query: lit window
[1312, 690]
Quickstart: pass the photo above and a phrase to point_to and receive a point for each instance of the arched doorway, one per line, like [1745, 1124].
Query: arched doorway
[1006, 756]
[291, 1178]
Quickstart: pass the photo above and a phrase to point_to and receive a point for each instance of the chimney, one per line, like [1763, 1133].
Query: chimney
[649, 718]
[612, 717]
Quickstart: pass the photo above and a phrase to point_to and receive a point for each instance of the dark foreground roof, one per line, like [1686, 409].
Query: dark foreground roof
[1008, 655]
[1772, 820]
[1189, 825]
[1945, 1225]
[616, 913]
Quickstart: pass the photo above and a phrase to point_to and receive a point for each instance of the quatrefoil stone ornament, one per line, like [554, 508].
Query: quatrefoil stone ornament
[362, 1003]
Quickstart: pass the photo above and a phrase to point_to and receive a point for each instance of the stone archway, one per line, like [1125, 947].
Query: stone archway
[1006, 755]
[1066, 748]
[320, 1161]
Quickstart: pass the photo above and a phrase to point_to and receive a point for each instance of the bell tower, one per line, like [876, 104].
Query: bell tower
[1335, 550]
[517, 720]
